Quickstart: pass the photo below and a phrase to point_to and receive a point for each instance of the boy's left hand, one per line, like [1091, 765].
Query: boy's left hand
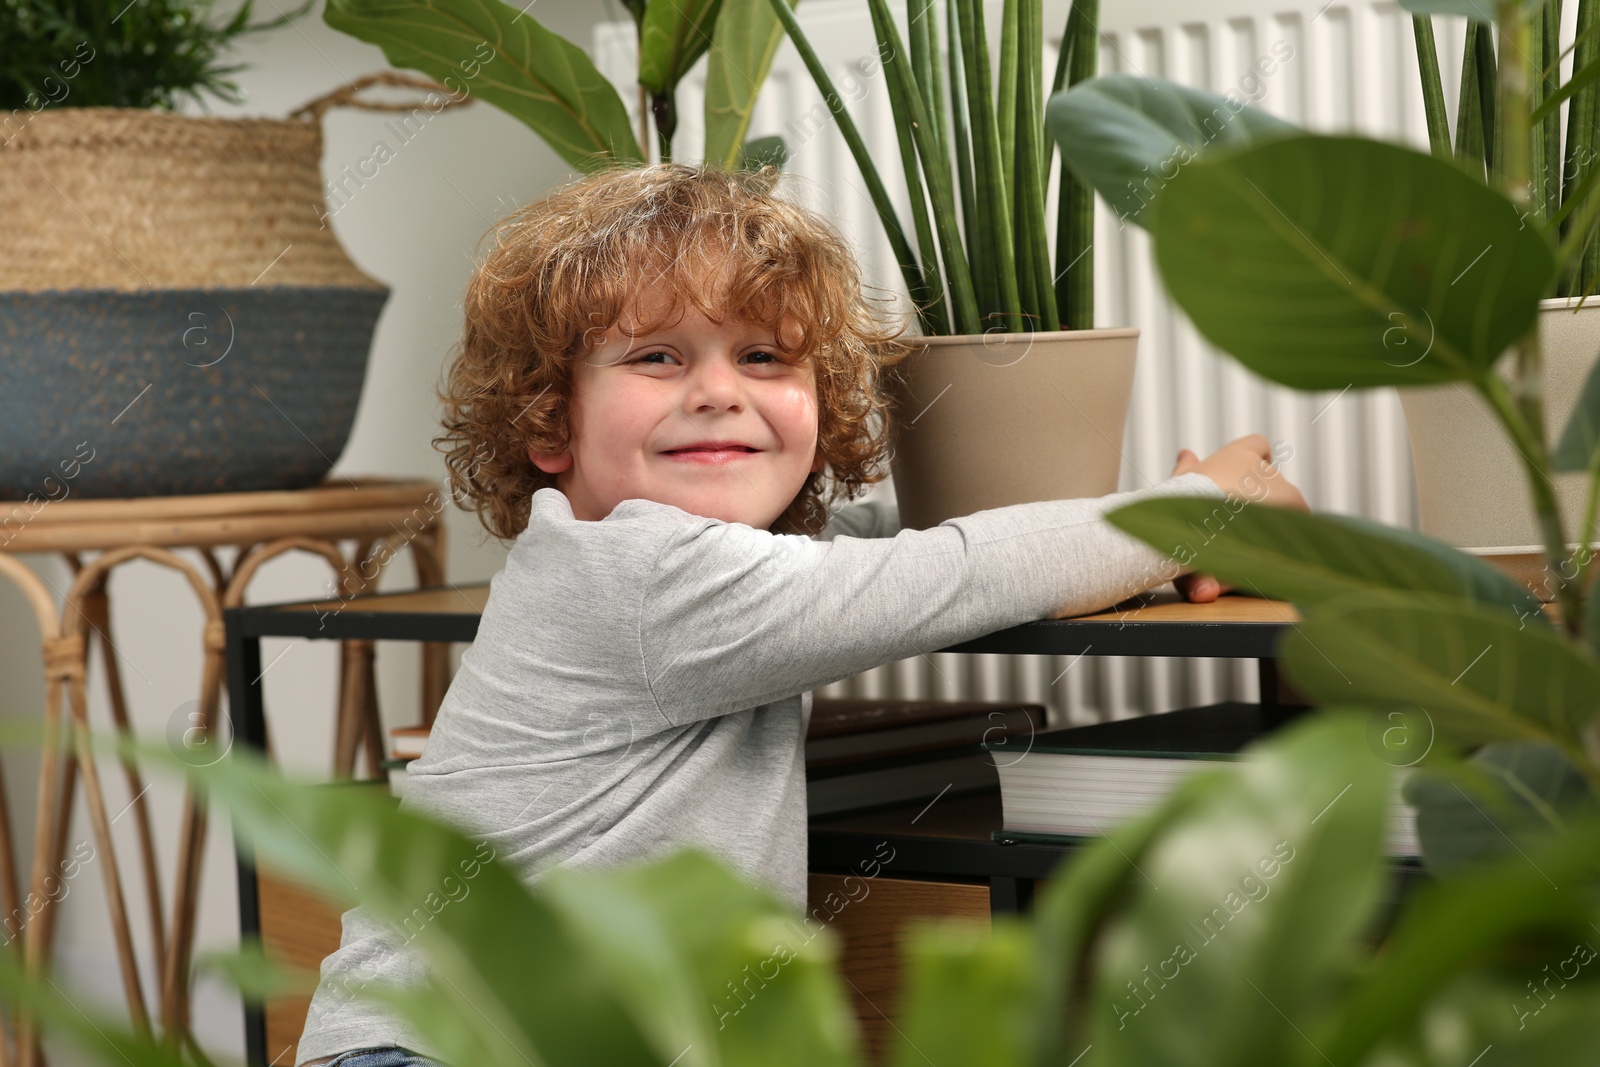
[1196, 588]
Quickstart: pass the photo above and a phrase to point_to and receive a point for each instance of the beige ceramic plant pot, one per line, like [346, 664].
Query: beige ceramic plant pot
[1472, 490]
[1008, 418]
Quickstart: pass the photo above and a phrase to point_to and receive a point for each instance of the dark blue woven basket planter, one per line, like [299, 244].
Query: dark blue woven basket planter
[164, 392]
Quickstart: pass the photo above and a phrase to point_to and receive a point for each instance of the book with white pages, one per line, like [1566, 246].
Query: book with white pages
[1084, 781]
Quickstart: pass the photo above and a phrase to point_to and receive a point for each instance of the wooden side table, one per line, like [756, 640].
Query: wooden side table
[381, 516]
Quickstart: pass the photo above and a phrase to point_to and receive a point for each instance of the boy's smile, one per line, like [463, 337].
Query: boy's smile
[711, 418]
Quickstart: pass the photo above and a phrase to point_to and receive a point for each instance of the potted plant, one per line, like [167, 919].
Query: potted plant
[179, 320]
[1468, 474]
[1008, 396]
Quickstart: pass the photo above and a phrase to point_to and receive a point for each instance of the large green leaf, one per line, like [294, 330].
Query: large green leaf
[747, 37]
[1332, 262]
[506, 58]
[1250, 910]
[1580, 441]
[1497, 804]
[1128, 135]
[1305, 558]
[1591, 619]
[673, 35]
[1081, 894]
[1532, 900]
[688, 940]
[967, 996]
[1478, 674]
[645, 953]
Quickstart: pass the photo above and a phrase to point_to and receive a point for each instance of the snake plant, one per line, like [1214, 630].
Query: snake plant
[990, 266]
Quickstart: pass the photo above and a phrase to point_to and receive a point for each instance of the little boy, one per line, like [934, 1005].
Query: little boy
[666, 377]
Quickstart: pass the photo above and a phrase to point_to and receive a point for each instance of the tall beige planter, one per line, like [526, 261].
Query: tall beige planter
[1472, 490]
[1007, 418]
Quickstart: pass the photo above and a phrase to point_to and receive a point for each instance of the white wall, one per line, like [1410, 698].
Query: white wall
[414, 227]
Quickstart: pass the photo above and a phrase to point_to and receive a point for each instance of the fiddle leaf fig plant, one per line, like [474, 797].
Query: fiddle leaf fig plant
[550, 84]
[1333, 262]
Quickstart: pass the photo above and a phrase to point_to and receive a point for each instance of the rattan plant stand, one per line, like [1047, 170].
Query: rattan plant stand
[380, 516]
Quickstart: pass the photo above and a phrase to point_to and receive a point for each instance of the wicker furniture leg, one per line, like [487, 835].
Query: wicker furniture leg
[94, 576]
[94, 798]
[349, 724]
[97, 609]
[59, 663]
[175, 973]
[352, 706]
[359, 722]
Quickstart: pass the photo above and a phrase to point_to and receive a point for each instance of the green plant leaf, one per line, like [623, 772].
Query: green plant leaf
[673, 35]
[759, 152]
[1449, 928]
[1070, 910]
[687, 939]
[1127, 135]
[747, 37]
[532, 74]
[647, 950]
[1580, 441]
[967, 994]
[258, 975]
[428, 888]
[1337, 262]
[1496, 804]
[1591, 620]
[1290, 555]
[1252, 912]
[1581, 77]
[1478, 674]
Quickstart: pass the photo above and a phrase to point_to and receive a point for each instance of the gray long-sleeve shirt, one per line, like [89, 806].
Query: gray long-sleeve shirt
[644, 682]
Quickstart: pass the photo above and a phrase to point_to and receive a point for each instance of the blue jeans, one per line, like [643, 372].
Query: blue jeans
[387, 1056]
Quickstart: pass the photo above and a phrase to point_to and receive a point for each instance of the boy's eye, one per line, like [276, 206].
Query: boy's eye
[761, 357]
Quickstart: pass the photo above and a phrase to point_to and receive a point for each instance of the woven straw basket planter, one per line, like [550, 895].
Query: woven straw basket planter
[175, 316]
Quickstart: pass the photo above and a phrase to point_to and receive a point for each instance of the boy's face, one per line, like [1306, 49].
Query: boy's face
[639, 400]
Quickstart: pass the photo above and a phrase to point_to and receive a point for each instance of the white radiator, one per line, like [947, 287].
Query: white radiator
[1345, 65]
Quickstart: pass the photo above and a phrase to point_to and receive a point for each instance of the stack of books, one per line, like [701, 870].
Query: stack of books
[863, 753]
[1084, 781]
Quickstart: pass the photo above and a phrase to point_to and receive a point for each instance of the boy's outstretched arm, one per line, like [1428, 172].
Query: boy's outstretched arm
[735, 617]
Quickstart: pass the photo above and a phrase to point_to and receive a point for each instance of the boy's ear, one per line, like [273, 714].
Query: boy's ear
[551, 464]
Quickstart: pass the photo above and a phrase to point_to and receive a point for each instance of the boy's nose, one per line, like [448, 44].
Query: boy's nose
[713, 382]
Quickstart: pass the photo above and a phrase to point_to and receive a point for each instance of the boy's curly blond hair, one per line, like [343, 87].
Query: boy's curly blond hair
[566, 267]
